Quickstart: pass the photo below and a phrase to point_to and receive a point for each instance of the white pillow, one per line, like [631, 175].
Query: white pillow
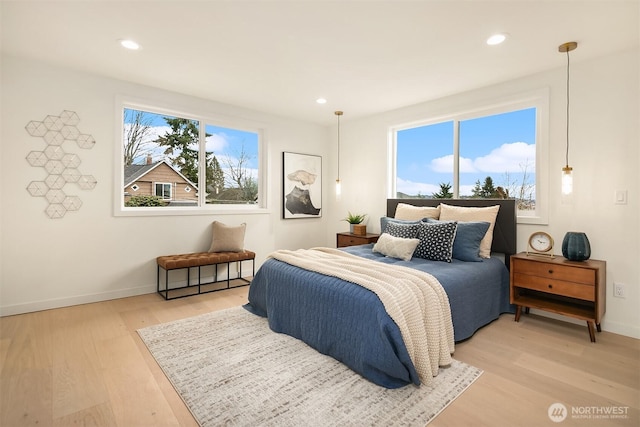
[227, 239]
[416, 213]
[460, 213]
[395, 247]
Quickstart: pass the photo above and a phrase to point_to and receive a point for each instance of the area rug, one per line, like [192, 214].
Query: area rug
[232, 370]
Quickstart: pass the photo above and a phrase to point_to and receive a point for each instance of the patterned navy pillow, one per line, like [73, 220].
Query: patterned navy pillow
[405, 231]
[436, 241]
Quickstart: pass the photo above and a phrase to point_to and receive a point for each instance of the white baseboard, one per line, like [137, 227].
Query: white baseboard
[10, 310]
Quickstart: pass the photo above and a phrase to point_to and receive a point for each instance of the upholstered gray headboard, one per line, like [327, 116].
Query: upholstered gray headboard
[504, 232]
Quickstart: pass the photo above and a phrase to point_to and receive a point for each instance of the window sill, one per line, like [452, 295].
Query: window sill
[534, 220]
[184, 211]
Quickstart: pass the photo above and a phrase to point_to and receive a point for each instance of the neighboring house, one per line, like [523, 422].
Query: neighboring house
[159, 179]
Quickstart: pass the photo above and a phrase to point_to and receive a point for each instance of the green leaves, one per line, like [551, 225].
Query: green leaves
[355, 218]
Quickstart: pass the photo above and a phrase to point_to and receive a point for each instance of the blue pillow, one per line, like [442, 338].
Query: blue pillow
[466, 245]
[385, 220]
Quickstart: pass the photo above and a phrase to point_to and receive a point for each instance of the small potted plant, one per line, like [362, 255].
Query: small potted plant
[355, 223]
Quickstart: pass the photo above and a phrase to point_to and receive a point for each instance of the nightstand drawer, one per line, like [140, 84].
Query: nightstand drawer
[557, 287]
[586, 276]
[349, 239]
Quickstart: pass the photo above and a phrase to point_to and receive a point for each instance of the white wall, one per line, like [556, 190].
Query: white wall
[603, 152]
[91, 255]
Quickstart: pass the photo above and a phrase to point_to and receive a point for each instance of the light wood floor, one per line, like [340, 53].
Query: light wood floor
[86, 365]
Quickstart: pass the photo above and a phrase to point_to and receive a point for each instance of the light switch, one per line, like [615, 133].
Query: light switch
[621, 197]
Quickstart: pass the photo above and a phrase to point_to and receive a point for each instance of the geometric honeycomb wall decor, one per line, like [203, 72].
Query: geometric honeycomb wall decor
[61, 167]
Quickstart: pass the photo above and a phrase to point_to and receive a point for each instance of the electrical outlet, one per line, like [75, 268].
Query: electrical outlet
[618, 290]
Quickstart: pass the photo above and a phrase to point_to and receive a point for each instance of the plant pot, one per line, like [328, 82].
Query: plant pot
[575, 246]
[359, 229]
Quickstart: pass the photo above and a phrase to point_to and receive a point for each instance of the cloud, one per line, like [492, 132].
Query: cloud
[442, 164]
[216, 142]
[415, 188]
[510, 157]
[445, 165]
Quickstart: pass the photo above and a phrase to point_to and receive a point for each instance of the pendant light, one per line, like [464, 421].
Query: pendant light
[567, 171]
[338, 183]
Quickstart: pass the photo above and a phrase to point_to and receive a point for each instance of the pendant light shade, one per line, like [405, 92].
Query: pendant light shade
[567, 180]
[567, 171]
[338, 183]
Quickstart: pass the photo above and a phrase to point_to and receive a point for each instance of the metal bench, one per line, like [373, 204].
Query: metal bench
[199, 260]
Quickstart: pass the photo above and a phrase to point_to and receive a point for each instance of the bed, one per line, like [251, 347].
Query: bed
[352, 324]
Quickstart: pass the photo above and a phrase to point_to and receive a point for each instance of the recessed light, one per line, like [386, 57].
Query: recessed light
[321, 101]
[496, 39]
[129, 44]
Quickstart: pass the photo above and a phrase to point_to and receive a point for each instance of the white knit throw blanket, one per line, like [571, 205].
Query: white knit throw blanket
[415, 300]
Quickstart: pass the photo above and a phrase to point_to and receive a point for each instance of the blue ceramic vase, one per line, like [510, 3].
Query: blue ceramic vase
[575, 246]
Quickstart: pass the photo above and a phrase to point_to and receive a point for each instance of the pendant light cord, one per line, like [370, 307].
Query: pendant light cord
[567, 152]
[338, 147]
[338, 114]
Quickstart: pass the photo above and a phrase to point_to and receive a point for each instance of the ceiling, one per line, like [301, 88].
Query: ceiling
[364, 57]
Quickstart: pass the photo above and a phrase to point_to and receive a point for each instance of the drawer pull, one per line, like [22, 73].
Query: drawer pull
[550, 271]
[550, 286]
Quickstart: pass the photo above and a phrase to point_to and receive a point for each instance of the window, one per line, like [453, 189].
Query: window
[173, 163]
[163, 190]
[232, 166]
[487, 153]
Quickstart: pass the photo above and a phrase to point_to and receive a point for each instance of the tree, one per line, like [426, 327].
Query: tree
[444, 193]
[486, 191]
[215, 175]
[523, 191]
[237, 173]
[476, 191]
[250, 190]
[181, 146]
[137, 129]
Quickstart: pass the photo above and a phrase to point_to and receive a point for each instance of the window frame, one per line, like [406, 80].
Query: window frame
[204, 118]
[538, 99]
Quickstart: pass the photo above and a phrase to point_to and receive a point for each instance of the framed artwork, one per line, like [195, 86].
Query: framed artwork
[302, 185]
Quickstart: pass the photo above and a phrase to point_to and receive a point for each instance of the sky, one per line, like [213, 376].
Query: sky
[501, 146]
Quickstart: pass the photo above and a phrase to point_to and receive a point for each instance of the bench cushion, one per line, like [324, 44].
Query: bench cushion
[172, 262]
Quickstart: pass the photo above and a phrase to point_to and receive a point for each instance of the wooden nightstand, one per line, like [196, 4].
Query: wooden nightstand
[350, 239]
[570, 288]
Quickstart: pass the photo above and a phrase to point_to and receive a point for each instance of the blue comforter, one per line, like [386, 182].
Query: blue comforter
[349, 323]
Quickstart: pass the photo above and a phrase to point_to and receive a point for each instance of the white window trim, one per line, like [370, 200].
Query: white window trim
[538, 99]
[263, 205]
